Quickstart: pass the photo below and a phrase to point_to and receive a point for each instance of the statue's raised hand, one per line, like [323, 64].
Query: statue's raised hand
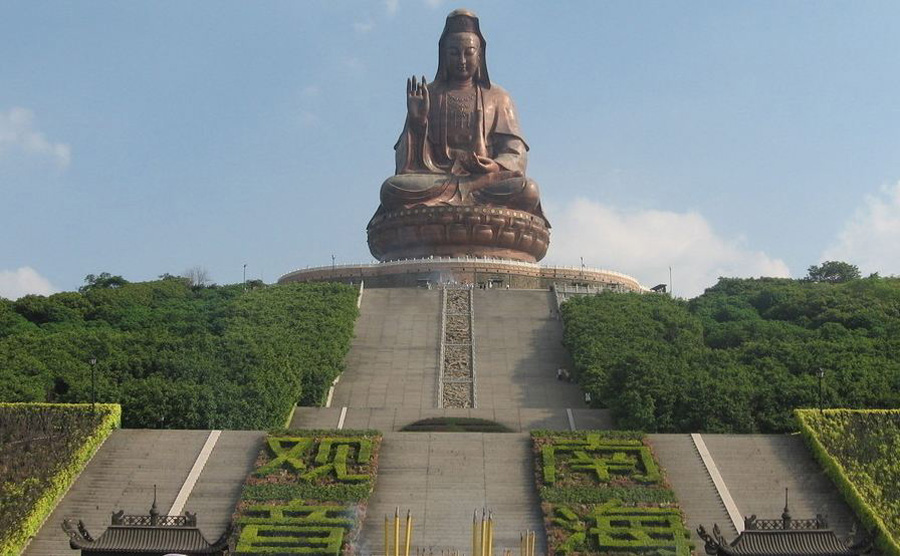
[417, 101]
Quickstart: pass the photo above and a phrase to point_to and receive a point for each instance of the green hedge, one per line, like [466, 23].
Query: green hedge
[338, 493]
[54, 487]
[603, 492]
[290, 539]
[825, 431]
[307, 493]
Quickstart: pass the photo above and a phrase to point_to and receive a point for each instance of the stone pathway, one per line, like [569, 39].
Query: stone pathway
[122, 474]
[757, 469]
[692, 484]
[393, 360]
[443, 478]
[518, 348]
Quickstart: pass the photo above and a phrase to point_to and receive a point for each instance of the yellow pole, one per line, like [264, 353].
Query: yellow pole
[387, 536]
[532, 543]
[475, 533]
[397, 531]
[408, 533]
[483, 533]
[490, 535]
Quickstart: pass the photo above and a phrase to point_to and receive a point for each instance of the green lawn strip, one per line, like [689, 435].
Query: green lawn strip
[23, 515]
[858, 451]
[307, 493]
[455, 424]
[603, 491]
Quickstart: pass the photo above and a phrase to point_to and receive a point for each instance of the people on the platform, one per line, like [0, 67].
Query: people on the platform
[461, 144]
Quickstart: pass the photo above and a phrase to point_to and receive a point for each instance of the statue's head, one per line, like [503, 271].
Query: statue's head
[461, 50]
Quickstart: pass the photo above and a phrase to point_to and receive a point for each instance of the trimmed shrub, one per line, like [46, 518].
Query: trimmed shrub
[43, 448]
[308, 492]
[602, 492]
[859, 451]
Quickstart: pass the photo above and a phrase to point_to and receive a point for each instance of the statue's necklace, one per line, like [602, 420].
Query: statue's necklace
[460, 106]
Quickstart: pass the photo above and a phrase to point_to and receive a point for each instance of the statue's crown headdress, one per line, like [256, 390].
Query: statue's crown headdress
[462, 21]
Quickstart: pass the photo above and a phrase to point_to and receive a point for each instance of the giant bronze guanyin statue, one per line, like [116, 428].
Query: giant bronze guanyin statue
[460, 186]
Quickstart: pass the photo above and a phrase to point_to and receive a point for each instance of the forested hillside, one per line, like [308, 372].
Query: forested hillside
[176, 356]
[741, 356]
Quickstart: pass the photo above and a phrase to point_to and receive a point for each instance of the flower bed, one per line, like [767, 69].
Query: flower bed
[860, 451]
[307, 493]
[603, 492]
[43, 448]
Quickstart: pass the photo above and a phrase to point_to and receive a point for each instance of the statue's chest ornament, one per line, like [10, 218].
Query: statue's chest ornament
[460, 109]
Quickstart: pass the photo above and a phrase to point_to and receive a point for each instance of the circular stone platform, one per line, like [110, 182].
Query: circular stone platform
[466, 270]
[451, 231]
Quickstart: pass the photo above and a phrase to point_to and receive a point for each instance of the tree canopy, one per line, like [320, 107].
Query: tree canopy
[835, 272]
[176, 356]
[739, 357]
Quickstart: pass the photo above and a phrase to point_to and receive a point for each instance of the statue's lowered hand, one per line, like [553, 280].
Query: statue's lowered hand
[417, 100]
[478, 164]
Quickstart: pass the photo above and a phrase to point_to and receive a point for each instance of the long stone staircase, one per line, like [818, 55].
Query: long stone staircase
[444, 477]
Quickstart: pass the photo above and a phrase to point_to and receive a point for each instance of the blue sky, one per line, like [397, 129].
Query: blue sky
[718, 138]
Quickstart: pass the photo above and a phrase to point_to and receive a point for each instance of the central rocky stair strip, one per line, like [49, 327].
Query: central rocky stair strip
[457, 356]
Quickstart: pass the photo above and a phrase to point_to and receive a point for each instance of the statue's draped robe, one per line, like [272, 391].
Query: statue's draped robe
[428, 168]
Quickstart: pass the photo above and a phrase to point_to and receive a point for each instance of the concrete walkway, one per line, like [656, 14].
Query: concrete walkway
[518, 348]
[692, 484]
[122, 474]
[443, 478]
[393, 358]
[757, 469]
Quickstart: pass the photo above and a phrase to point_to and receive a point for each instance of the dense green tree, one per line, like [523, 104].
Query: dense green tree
[834, 272]
[739, 357]
[176, 356]
[102, 280]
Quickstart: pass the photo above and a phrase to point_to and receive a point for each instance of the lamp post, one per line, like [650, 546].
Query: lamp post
[93, 362]
[245, 276]
[821, 374]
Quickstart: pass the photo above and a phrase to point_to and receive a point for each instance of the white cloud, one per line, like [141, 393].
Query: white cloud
[645, 243]
[308, 118]
[18, 133]
[363, 26]
[23, 281]
[870, 239]
[433, 3]
[392, 6]
[310, 91]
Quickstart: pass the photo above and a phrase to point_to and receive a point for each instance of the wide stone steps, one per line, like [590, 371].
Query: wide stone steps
[122, 474]
[393, 359]
[692, 484]
[518, 348]
[443, 477]
[758, 467]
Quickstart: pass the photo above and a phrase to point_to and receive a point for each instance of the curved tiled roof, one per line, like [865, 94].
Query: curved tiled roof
[139, 539]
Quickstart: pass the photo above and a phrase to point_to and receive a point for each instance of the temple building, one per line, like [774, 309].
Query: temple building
[783, 537]
[151, 535]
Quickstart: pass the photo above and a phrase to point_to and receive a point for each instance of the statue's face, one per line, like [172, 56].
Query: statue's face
[462, 55]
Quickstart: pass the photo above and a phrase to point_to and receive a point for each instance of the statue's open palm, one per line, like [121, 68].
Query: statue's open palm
[417, 101]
